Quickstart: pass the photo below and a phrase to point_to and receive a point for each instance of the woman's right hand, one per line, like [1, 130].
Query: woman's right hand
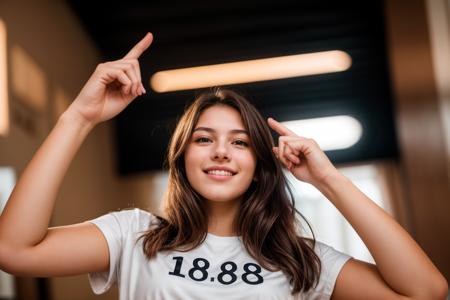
[111, 87]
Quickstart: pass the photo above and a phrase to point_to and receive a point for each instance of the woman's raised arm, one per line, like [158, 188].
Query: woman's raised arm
[402, 270]
[26, 243]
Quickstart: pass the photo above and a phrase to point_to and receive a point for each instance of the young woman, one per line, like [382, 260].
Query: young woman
[229, 230]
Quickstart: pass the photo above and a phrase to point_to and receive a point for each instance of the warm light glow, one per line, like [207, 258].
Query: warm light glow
[29, 82]
[250, 71]
[4, 108]
[61, 102]
[331, 133]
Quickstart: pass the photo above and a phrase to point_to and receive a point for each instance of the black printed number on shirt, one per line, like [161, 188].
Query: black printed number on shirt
[255, 273]
[229, 273]
[177, 271]
[199, 271]
[198, 268]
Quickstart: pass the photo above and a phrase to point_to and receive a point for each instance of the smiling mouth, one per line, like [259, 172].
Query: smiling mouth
[220, 173]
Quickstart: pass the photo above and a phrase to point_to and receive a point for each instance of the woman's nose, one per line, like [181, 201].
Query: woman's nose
[221, 152]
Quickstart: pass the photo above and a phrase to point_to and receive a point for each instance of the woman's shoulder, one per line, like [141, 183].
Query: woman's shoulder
[332, 261]
[327, 253]
[129, 219]
[134, 212]
[321, 248]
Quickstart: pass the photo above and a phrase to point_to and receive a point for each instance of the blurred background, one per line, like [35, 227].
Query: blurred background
[395, 92]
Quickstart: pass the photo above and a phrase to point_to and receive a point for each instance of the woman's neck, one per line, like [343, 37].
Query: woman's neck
[222, 217]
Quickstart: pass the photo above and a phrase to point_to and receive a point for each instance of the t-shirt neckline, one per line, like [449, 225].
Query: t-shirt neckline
[222, 239]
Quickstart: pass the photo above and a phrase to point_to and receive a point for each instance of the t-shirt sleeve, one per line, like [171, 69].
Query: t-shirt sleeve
[114, 226]
[332, 262]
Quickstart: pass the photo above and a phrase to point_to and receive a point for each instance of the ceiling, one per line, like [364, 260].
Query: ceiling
[191, 33]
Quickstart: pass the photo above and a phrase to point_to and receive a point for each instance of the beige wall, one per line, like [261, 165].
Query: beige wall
[53, 39]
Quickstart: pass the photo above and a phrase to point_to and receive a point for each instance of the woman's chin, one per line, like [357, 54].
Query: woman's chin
[221, 198]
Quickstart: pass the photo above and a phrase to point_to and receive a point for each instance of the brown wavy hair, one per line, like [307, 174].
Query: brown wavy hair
[267, 219]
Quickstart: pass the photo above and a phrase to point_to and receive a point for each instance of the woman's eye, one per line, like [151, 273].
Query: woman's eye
[202, 140]
[241, 143]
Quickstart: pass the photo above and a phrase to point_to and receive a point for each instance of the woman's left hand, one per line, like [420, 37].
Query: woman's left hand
[302, 156]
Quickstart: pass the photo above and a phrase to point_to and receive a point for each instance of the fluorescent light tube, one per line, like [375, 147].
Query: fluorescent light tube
[4, 108]
[331, 133]
[250, 71]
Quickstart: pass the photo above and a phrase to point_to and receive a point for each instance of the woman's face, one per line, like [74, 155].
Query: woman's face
[219, 162]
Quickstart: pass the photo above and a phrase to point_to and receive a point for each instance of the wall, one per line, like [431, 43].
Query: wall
[62, 53]
[422, 132]
[438, 19]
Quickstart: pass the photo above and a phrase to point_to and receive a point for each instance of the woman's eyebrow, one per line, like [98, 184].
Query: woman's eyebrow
[213, 131]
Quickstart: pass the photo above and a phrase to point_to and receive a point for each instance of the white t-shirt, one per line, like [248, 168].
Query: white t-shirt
[220, 268]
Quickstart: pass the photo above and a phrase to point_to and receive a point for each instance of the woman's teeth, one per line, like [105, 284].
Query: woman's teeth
[220, 172]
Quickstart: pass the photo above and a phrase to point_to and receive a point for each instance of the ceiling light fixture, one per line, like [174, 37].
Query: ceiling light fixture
[331, 133]
[250, 71]
[4, 109]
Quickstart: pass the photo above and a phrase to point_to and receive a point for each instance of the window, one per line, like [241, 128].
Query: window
[7, 181]
[327, 222]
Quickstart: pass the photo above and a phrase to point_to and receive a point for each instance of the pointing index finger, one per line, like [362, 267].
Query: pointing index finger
[140, 47]
[280, 128]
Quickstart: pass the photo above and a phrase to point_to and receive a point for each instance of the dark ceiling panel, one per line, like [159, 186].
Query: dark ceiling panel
[190, 33]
